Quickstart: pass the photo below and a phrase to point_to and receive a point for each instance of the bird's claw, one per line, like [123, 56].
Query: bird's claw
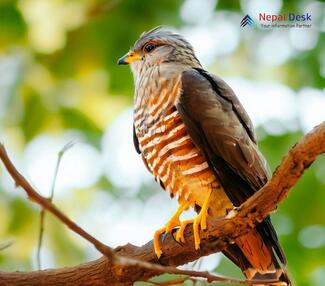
[200, 222]
[172, 223]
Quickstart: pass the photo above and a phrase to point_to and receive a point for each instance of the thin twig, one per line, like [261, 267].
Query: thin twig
[20, 181]
[171, 282]
[42, 214]
[6, 245]
[159, 269]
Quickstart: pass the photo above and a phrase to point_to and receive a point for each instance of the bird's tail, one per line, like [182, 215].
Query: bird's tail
[257, 260]
[258, 253]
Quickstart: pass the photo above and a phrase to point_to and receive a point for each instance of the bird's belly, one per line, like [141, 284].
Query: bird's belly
[179, 165]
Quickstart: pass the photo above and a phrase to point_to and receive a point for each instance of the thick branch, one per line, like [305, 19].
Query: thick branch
[220, 232]
[114, 258]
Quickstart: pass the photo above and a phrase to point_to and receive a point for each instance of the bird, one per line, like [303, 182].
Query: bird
[199, 143]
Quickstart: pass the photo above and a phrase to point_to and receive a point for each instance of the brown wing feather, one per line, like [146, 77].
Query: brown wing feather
[227, 129]
[220, 127]
[225, 91]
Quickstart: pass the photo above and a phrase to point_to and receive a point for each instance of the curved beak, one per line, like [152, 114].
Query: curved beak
[129, 58]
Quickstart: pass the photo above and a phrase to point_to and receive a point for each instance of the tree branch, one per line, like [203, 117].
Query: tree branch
[114, 259]
[46, 203]
[219, 234]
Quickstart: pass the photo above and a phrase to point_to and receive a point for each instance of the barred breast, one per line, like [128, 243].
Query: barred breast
[167, 149]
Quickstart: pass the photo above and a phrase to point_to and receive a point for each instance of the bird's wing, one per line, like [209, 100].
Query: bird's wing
[222, 130]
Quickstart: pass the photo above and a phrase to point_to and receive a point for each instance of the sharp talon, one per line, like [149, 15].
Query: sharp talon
[156, 242]
[174, 234]
[158, 253]
[159, 260]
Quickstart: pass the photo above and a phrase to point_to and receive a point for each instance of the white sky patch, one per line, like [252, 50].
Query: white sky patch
[283, 223]
[47, 258]
[118, 221]
[303, 39]
[320, 171]
[254, 7]
[10, 66]
[318, 276]
[202, 41]
[122, 164]
[317, 10]
[311, 107]
[217, 38]
[194, 12]
[205, 263]
[274, 49]
[312, 236]
[80, 166]
[209, 263]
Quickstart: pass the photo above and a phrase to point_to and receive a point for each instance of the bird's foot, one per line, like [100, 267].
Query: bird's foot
[199, 222]
[170, 225]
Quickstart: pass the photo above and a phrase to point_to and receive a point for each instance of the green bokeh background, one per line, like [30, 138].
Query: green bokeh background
[66, 78]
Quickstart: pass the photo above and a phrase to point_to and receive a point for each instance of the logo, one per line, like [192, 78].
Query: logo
[271, 21]
[247, 20]
[288, 20]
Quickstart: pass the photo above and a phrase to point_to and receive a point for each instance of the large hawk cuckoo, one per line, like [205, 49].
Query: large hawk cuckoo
[197, 140]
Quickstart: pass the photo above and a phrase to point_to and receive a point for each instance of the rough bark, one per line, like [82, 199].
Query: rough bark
[219, 234]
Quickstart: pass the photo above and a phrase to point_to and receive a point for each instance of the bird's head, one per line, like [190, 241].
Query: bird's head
[159, 46]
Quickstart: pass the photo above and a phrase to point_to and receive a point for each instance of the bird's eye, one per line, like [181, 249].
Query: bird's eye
[149, 47]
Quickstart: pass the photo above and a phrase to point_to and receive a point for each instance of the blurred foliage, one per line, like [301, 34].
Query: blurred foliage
[58, 72]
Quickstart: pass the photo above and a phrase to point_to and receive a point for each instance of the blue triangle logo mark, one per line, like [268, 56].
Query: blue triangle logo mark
[247, 20]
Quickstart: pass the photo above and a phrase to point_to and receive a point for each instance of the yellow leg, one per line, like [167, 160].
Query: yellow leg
[204, 211]
[199, 221]
[173, 222]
